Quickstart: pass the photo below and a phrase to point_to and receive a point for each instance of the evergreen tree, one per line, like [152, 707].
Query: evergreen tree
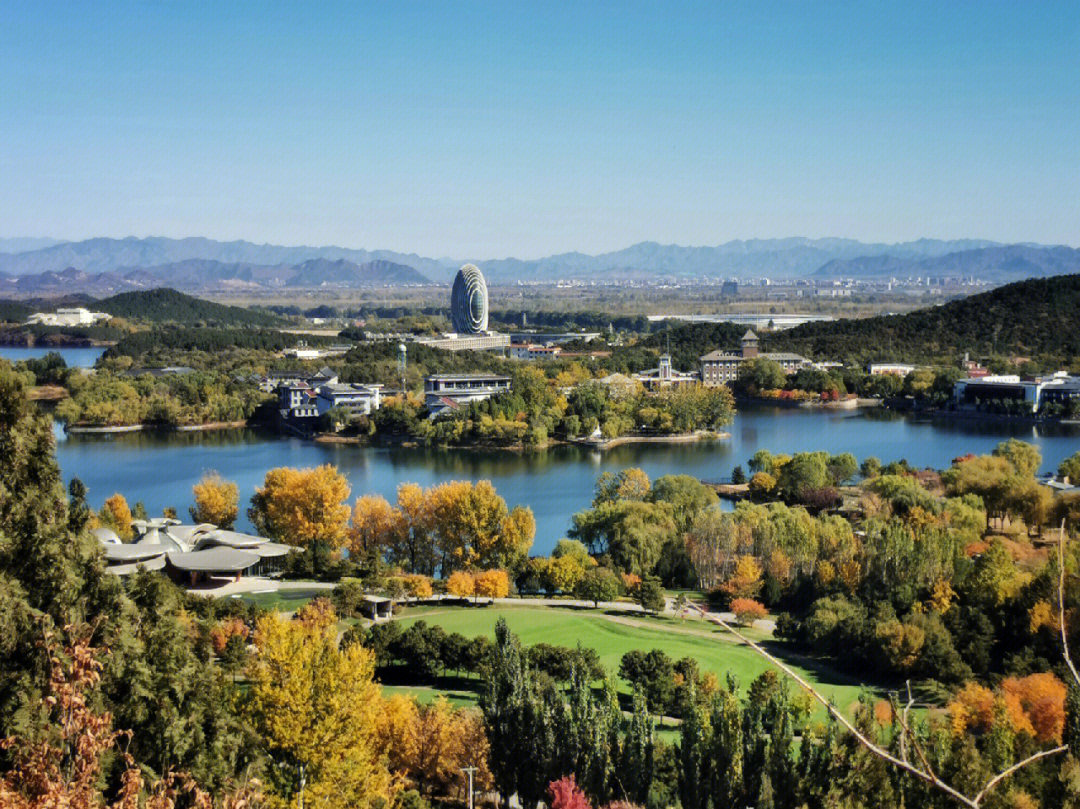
[725, 750]
[636, 761]
[504, 705]
[693, 762]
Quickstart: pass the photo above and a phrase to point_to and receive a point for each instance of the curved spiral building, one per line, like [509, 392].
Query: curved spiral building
[469, 301]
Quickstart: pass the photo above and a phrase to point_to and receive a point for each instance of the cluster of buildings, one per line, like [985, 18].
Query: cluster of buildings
[191, 554]
[304, 398]
[74, 316]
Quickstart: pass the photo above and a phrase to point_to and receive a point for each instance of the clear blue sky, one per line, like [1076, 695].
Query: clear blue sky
[504, 128]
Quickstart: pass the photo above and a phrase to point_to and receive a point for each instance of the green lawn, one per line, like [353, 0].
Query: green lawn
[612, 635]
[284, 600]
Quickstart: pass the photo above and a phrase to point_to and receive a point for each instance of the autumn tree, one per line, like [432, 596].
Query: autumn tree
[747, 610]
[376, 526]
[116, 514]
[316, 710]
[745, 579]
[302, 506]
[461, 584]
[430, 744]
[629, 484]
[474, 528]
[216, 501]
[492, 584]
[565, 794]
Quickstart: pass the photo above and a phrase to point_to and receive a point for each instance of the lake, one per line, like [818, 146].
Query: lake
[74, 357]
[160, 469]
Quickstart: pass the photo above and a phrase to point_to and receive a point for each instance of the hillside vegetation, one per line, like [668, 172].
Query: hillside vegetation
[1028, 318]
[169, 306]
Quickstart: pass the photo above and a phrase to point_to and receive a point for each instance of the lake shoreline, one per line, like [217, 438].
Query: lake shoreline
[677, 438]
[116, 429]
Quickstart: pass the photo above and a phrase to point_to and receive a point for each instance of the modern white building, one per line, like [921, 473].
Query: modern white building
[77, 316]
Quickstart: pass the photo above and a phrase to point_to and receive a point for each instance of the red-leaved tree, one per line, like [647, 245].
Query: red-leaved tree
[565, 794]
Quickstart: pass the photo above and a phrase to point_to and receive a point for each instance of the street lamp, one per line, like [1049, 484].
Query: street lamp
[469, 772]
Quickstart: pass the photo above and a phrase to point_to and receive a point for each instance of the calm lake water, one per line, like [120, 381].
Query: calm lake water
[74, 357]
[160, 469]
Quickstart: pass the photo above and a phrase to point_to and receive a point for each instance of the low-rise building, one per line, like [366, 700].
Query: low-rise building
[664, 376]
[444, 392]
[75, 316]
[486, 341]
[1033, 394]
[722, 367]
[533, 351]
[357, 400]
[191, 554]
[891, 368]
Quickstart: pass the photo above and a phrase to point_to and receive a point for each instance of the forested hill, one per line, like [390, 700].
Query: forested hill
[1030, 318]
[167, 305]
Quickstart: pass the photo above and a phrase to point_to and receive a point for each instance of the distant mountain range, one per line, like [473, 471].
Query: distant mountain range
[999, 263]
[107, 266]
[207, 274]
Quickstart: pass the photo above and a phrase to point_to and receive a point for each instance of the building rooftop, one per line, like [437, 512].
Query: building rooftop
[468, 377]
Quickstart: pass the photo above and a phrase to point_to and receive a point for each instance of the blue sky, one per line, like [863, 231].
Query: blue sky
[495, 129]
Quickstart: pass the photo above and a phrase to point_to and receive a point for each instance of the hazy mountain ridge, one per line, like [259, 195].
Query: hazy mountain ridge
[790, 257]
[197, 262]
[998, 263]
[205, 274]
[108, 255]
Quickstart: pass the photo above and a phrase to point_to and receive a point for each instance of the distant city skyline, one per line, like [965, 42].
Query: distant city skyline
[490, 130]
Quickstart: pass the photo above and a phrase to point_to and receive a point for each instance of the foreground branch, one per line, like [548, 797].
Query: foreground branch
[925, 774]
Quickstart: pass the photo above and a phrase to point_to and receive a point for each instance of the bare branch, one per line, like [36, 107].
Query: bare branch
[993, 782]
[865, 741]
[1061, 604]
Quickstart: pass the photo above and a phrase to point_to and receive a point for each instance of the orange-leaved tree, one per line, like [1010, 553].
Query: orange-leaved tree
[429, 744]
[461, 584]
[492, 584]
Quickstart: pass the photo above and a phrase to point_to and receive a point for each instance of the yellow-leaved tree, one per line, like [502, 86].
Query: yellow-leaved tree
[216, 501]
[461, 584]
[475, 529]
[302, 506]
[316, 708]
[376, 526]
[492, 584]
[116, 514]
[428, 745]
